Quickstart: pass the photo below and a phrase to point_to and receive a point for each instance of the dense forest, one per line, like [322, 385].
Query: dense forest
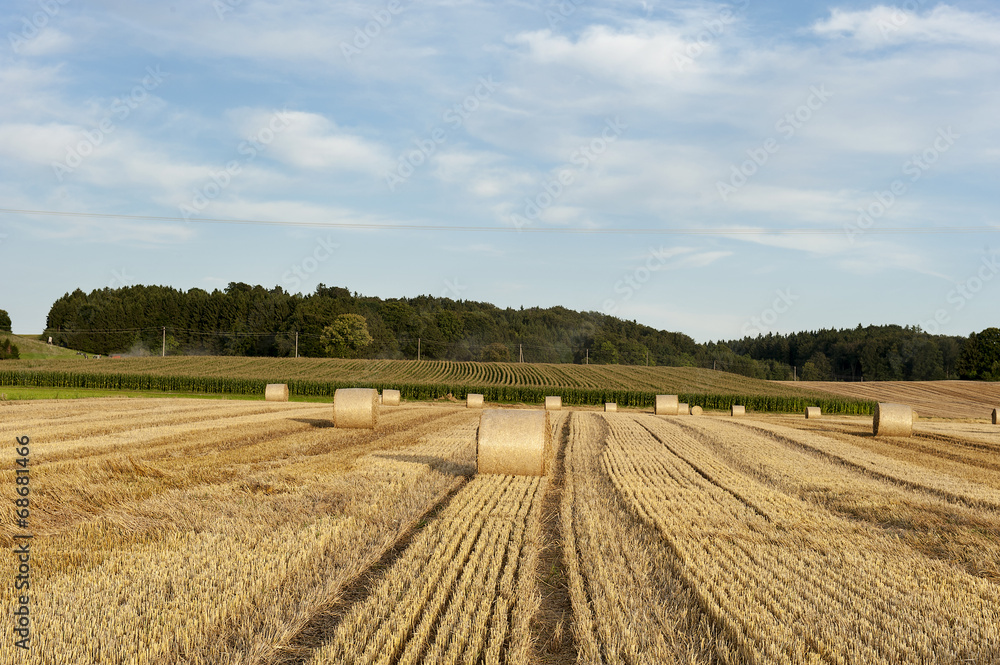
[250, 320]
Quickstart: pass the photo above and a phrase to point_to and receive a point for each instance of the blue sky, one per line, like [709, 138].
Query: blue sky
[728, 119]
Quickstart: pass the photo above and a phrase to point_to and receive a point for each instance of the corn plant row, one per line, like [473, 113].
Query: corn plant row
[422, 391]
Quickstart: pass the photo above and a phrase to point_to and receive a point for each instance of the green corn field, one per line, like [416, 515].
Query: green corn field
[503, 383]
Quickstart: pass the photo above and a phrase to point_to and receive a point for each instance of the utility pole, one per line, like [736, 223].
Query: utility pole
[647, 357]
[520, 353]
[163, 353]
[296, 343]
[713, 365]
[795, 373]
[588, 356]
[418, 348]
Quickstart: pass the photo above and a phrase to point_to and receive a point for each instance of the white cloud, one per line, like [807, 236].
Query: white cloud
[889, 25]
[48, 42]
[640, 53]
[312, 141]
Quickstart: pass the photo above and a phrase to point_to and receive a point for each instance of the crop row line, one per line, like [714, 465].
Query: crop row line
[422, 391]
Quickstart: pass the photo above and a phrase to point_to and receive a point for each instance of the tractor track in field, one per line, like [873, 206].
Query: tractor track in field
[323, 625]
[552, 625]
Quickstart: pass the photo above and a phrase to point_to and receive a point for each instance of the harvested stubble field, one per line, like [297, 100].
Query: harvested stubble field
[176, 531]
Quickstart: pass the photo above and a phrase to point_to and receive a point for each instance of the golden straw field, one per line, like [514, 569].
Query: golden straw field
[238, 532]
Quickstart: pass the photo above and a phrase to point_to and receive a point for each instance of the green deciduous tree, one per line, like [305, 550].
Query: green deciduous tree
[8, 350]
[346, 337]
[980, 359]
[495, 353]
[817, 368]
[4, 321]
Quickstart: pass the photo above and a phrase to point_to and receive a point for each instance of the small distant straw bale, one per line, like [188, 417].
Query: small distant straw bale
[611, 406]
[355, 408]
[276, 392]
[666, 405]
[390, 397]
[553, 403]
[683, 409]
[514, 442]
[738, 410]
[696, 410]
[813, 412]
[892, 420]
[995, 416]
[474, 401]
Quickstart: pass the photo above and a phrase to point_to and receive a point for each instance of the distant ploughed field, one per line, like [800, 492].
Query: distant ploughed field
[939, 399]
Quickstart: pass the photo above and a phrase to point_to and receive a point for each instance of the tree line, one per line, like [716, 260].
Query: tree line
[8, 350]
[245, 320]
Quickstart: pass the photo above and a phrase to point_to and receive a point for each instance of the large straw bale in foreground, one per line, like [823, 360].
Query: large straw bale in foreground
[390, 397]
[738, 410]
[665, 405]
[892, 420]
[474, 401]
[276, 392]
[610, 406]
[553, 403]
[696, 410]
[513, 441]
[355, 408]
[813, 412]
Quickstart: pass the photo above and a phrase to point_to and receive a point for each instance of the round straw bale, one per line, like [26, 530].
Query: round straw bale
[611, 406]
[738, 410]
[696, 410]
[276, 392]
[666, 405]
[355, 408]
[995, 416]
[813, 412]
[683, 409]
[474, 401]
[515, 442]
[553, 403]
[390, 397]
[892, 420]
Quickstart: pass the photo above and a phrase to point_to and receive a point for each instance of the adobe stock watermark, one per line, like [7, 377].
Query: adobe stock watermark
[786, 126]
[223, 7]
[632, 282]
[121, 108]
[713, 30]
[33, 25]
[454, 117]
[898, 17]
[579, 161]
[453, 289]
[363, 37]
[964, 293]
[914, 168]
[562, 11]
[764, 322]
[323, 251]
[248, 150]
[120, 279]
